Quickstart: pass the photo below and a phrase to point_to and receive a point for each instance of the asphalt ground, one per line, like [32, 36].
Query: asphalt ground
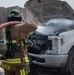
[39, 70]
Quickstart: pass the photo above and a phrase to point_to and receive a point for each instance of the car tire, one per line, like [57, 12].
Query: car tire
[70, 63]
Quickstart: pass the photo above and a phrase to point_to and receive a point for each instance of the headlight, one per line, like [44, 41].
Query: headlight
[55, 43]
[61, 41]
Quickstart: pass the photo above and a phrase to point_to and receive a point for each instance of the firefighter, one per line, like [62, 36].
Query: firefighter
[16, 58]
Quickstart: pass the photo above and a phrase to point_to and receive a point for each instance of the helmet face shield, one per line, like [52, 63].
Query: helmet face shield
[14, 18]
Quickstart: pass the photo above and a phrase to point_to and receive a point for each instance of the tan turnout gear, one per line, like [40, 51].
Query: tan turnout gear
[19, 63]
[23, 30]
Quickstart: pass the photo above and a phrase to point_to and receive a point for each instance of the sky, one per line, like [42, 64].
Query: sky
[70, 2]
[10, 3]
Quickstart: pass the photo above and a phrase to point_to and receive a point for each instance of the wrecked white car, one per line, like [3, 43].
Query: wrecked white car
[52, 45]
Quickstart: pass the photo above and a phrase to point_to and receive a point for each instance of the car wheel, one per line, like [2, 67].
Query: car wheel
[70, 63]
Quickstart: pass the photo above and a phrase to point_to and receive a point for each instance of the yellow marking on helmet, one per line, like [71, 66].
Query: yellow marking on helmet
[11, 15]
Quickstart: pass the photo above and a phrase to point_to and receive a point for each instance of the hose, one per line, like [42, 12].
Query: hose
[9, 23]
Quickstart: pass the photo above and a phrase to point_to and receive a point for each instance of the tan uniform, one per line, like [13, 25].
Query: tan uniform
[19, 63]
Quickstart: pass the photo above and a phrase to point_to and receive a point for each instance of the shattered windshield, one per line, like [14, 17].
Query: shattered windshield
[56, 26]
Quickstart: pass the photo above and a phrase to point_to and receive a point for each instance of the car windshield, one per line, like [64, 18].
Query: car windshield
[56, 26]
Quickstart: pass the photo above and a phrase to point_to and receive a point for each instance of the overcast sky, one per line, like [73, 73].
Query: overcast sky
[70, 2]
[9, 3]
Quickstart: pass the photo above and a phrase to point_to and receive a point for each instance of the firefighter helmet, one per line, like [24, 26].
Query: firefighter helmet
[14, 13]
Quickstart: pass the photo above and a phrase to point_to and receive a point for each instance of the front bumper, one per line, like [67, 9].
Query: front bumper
[49, 60]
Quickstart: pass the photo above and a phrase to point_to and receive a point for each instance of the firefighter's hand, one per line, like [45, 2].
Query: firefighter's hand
[32, 26]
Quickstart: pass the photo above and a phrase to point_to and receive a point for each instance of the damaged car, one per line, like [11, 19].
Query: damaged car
[52, 44]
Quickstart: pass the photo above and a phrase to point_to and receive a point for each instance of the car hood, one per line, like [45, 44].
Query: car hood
[56, 26]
